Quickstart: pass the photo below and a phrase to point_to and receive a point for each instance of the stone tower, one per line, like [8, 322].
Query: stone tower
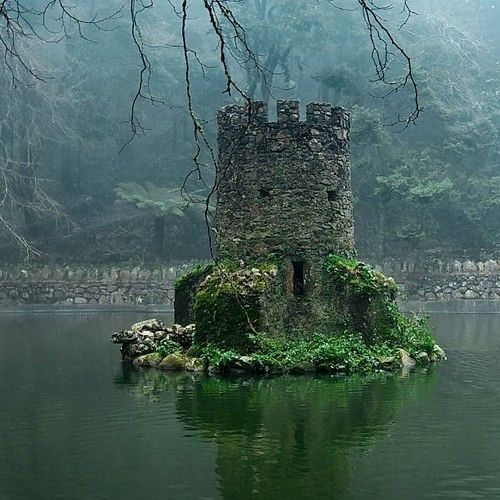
[284, 187]
[284, 190]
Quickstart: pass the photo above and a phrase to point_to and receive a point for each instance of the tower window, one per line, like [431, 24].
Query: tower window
[298, 278]
[332, 195]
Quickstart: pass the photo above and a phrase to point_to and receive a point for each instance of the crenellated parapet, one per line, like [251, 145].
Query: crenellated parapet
[288, 113]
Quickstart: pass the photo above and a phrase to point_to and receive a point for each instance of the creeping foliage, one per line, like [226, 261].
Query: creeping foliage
[214, 356]
[227, 305]
[342, 352]
[360, 276]
[168, 347]
[409, 332]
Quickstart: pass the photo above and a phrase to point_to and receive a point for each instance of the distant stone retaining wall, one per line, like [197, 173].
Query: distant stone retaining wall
[424, 281]
[443, 281]
[106, 285]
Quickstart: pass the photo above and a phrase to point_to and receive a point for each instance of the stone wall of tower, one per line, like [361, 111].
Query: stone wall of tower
[284, 187]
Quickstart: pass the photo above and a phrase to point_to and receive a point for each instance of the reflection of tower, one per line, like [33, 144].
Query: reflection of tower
[284, 189]
[292, 437]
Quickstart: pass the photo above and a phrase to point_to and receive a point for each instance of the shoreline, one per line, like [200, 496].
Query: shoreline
[458, 306]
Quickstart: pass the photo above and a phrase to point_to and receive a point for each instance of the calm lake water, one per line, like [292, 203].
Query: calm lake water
[76, 423]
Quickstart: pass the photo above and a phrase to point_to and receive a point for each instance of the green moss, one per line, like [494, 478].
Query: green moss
[366, 299]
[367, 326]
[175, 362]
[197, 272]
[227, 305]
[185, 290]
[362, 278]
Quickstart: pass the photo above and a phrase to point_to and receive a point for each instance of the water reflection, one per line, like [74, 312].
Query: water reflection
[75, 423]
[285, 437]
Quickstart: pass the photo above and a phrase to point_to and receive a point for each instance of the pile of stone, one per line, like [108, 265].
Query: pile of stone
[145, 343]
[404, 361]
[146, 337]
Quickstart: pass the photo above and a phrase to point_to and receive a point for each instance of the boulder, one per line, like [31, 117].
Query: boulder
[439, 352]
[133, 350]
[123, 337]
[406, 360]
[491, 266]
[195, 365]
[146, 334]
[388, 362]
[149, 324]
[469, 266]
[152, 360]
[183, 335]
[242, 364]
[159, 335]
[174, 362]
[422, 358]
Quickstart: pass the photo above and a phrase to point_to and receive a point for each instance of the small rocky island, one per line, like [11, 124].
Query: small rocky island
[286, 293]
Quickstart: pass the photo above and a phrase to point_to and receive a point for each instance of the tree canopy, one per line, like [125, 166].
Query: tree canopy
[425, 142]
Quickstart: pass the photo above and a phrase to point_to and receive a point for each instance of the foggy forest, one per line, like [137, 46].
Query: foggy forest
[249, 249]
[100, 120]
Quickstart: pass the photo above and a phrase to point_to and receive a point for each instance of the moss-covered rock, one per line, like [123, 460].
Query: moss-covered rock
[195, 365]
[149, 360]
[173, 362]
[228, 306]
[365, 299]
[186, 287]
[405, 359]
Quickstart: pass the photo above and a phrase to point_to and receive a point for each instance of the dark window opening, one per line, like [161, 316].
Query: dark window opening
[332, 195]
[264, 193]
[299, 277]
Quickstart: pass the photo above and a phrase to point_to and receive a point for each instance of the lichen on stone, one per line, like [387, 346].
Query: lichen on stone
[228, 305]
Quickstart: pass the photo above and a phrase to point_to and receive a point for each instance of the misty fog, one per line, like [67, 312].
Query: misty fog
[93, 164]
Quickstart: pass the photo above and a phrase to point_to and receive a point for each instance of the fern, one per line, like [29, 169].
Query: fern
[159, 200]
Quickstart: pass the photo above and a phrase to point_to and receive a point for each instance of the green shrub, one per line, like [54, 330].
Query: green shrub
[343, 352]
[214, 356]
[411, 333]
[168, 347]
[361, 277]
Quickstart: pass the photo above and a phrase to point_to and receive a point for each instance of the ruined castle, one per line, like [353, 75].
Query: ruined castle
[284, 187]
[284, 193]
[284, 212]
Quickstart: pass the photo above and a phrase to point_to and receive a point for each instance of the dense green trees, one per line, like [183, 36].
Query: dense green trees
[435, 188]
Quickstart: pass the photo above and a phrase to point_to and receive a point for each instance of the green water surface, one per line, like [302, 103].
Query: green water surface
[77, 423]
